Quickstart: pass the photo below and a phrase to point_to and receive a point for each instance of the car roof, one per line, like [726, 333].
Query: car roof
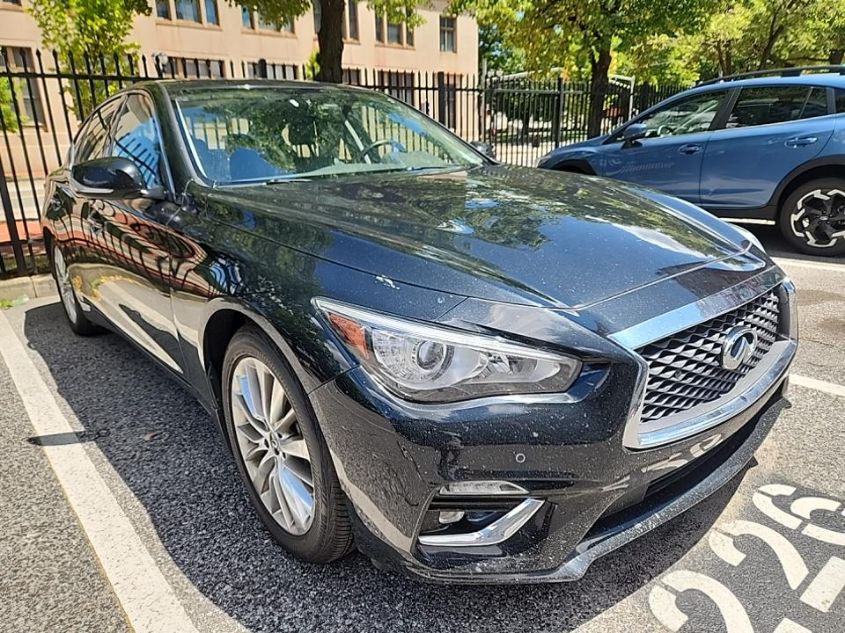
[833, 80]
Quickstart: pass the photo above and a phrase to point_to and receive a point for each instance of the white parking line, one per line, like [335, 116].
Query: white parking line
[147, 599]
[800, 263]
[819, 385]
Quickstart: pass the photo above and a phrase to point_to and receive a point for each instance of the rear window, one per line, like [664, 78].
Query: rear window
[777, 104]
[840, 101]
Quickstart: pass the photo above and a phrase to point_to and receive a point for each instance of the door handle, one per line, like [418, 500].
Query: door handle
[690, 148]
[801, 141]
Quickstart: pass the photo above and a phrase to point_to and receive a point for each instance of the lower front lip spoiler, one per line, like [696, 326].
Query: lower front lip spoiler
[650, 518]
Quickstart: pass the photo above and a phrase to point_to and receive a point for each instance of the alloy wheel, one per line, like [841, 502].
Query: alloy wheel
[65, 286]
[819, 218]
[272, 446]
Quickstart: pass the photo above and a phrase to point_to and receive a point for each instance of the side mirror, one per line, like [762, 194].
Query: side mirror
[485, 148]
[633, 132]
[110, 178]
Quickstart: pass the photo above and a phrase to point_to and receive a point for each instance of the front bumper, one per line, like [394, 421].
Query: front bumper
[392, 459]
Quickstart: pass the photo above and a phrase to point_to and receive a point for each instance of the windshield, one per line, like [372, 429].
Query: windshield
[254, 134]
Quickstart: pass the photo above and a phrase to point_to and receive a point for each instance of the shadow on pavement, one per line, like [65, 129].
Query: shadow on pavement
[168, 452]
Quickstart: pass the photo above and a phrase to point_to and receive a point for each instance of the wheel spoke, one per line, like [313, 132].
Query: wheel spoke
[300, 501]
[295, 447]
[287, 420]
[258, 425]
[271, 445]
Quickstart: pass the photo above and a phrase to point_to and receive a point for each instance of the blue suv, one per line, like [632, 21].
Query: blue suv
[761, 147]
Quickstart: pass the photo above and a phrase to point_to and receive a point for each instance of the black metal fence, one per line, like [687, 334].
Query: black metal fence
[44, 98]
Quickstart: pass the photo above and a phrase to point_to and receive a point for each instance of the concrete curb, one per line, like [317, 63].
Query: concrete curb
[27, 287]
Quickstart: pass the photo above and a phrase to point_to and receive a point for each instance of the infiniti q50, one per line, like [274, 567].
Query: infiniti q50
[470, 372]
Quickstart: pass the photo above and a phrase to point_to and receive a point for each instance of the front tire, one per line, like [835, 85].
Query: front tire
[280, 452]
[812, 218]
[76, 318]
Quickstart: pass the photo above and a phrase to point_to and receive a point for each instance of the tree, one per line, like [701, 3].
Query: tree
[748, 35]
[557, 32]
[88, 34]
[330, 33]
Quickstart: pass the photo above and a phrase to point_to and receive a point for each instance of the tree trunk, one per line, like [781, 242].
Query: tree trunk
[599, 67]
[330, 39]
[836, 57]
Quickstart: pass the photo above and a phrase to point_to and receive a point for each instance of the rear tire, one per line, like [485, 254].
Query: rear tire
[76, 318]
[280, 452]
[812, 218]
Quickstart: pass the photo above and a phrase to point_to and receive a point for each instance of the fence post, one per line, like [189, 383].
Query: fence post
[556, 114]
[441, 97]
[6, 201]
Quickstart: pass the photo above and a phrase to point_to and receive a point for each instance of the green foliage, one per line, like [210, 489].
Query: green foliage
[7, 111]
[745, 35]
[88, 35]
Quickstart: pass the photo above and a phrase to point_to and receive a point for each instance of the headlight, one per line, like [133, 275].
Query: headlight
[750, 236]
[427, 363]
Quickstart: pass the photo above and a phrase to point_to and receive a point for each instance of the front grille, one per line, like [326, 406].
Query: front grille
[685, 369]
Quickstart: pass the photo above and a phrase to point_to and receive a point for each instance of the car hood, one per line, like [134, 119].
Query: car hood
[493, 232]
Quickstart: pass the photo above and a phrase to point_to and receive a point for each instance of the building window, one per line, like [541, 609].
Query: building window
[15, 2]
[393, 33]
[163, 9]
[352, 19]
[15, 59]
[211, 12]
[196, 68]
[352, 76]
[263, 25]
[246, 18]
[317, 8]
[188, 10]
[270, 70]
[447, 34]
[380, 28]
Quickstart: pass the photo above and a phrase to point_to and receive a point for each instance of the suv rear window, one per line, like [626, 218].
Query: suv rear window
[777, 104]
[840, 101]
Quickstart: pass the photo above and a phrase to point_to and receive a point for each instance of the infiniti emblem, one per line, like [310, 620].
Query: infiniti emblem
[738, 347]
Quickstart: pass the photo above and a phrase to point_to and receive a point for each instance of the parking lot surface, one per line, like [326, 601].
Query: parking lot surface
[122, 511]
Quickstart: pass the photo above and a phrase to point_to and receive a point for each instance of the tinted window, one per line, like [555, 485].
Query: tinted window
[840, 101]
[93, 139]
[136, 138]
[777, 104]
[685, 116]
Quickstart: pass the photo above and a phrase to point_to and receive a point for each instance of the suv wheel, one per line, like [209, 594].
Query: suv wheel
[812, 218]
[280, 452]
[79, 323]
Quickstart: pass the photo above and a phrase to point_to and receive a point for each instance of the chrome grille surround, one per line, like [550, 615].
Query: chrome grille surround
[769, 371]
[685, 369]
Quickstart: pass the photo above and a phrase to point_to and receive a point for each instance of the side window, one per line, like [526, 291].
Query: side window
[777, 104]
[685, 116]
[93, 139]
[136, 138]
[840, 101]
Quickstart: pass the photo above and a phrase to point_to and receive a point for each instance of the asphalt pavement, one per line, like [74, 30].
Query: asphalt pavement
[121, 510]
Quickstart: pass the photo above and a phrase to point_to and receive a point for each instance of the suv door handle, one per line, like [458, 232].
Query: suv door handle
[690, 148]
[800, 141]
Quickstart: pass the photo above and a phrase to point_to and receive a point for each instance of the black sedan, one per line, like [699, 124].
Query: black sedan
[472, 372]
